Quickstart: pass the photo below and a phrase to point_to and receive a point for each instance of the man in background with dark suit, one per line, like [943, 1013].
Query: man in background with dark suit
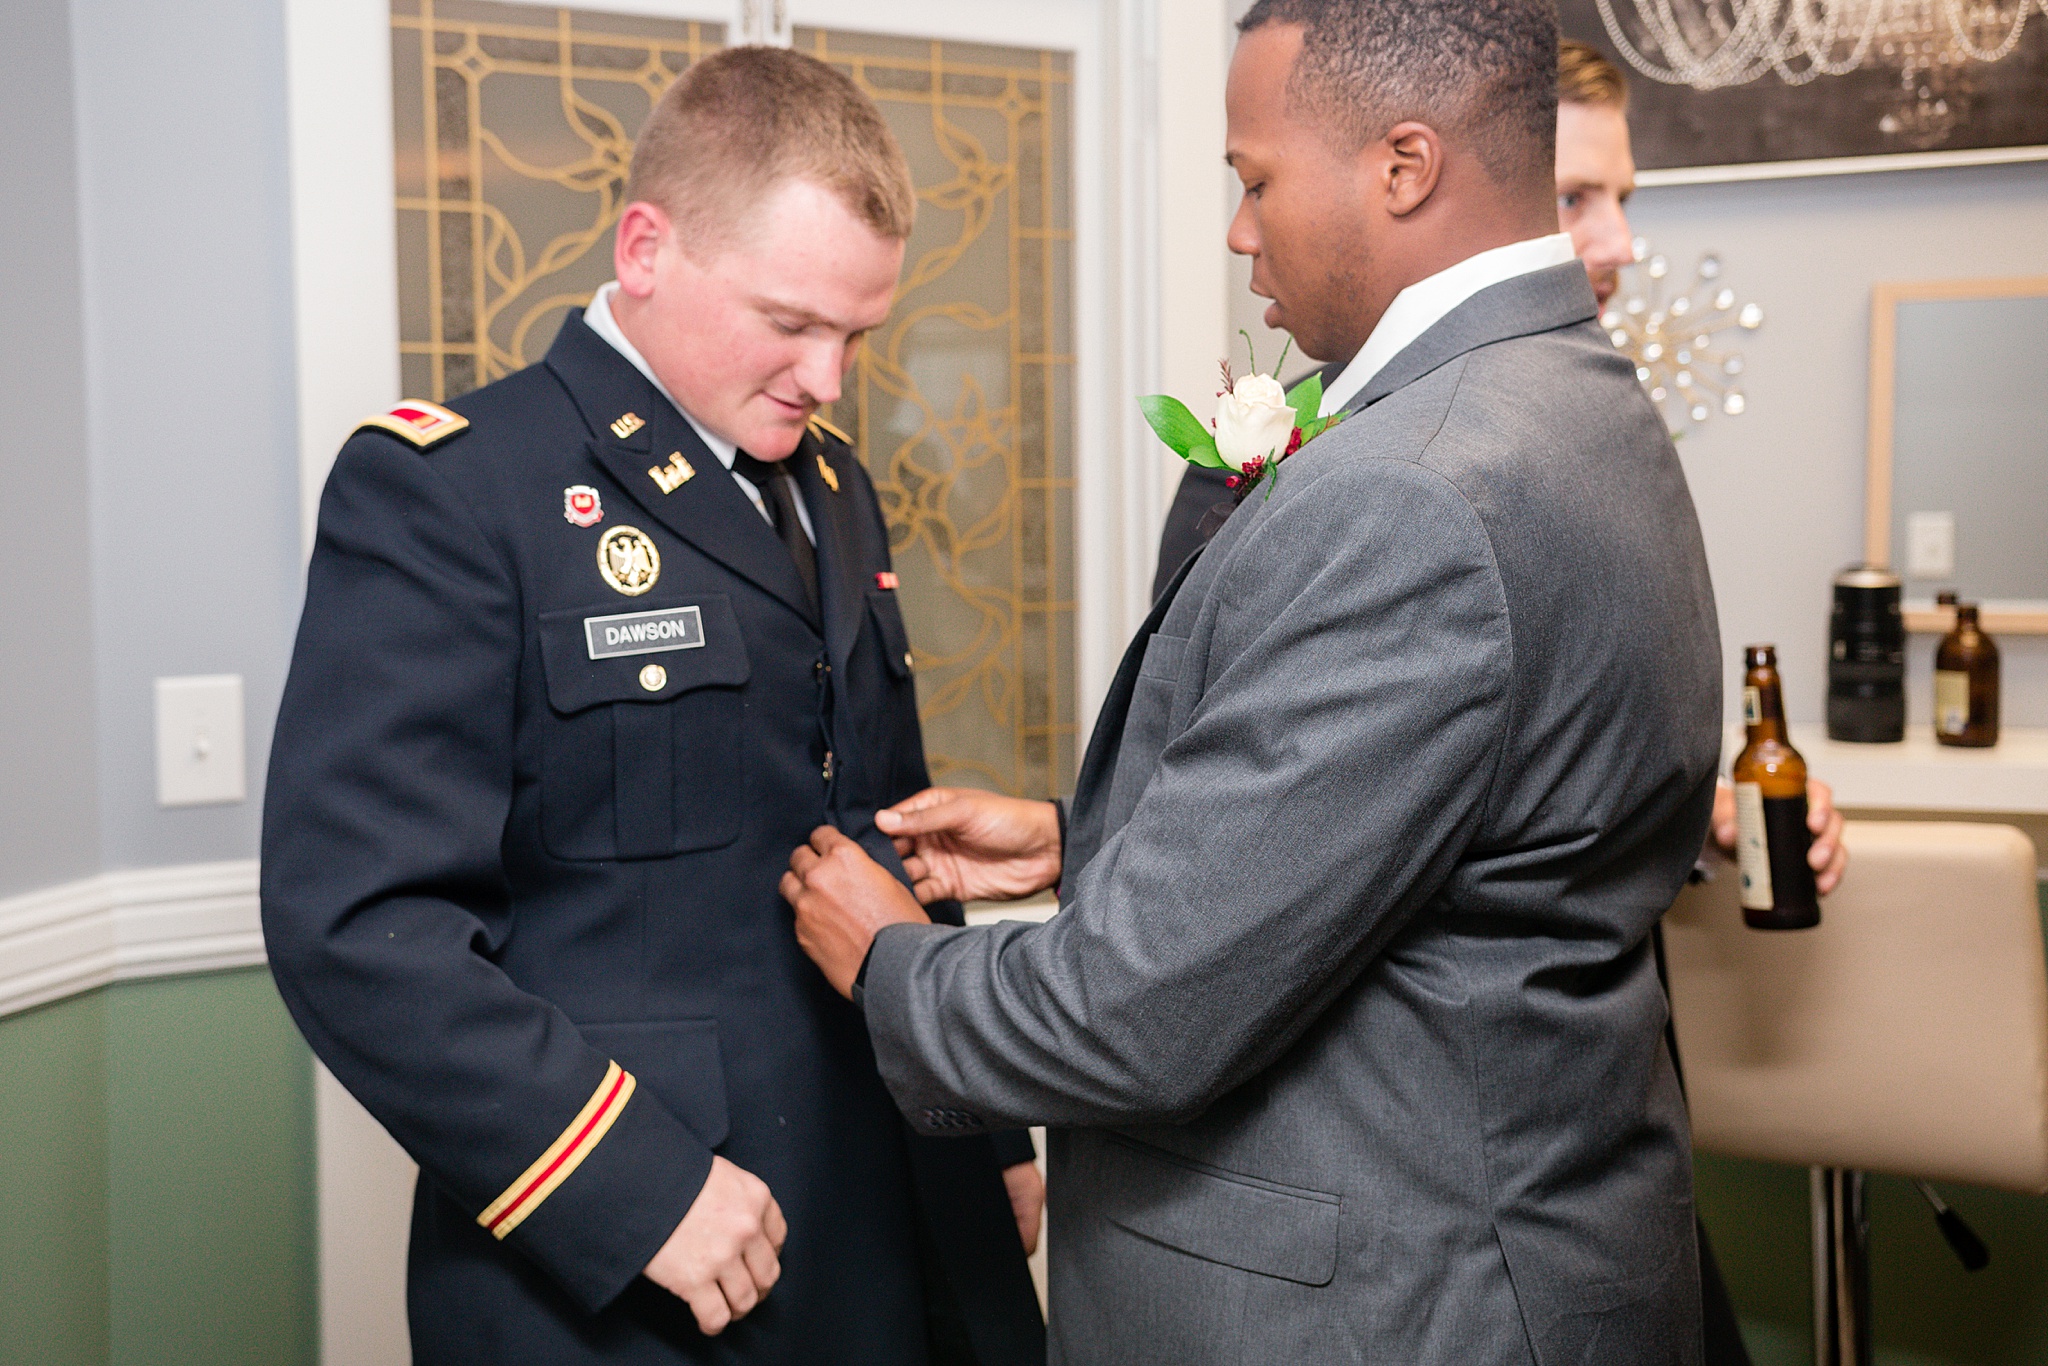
[583, 654]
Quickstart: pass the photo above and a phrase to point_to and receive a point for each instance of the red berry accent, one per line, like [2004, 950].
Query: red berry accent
[1294, 442]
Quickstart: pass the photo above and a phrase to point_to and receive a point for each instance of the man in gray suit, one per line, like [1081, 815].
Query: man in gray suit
[1348, 1028]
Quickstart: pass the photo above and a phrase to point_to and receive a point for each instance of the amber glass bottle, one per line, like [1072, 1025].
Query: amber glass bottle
[1966, 684]
[1770, 808]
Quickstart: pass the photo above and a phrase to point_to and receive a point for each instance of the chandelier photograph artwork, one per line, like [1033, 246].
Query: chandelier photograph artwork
[1735, 83]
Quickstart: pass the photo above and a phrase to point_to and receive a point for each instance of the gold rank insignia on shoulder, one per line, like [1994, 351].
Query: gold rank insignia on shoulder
[626, 424]
[823, 428]
[672, 476]
[628, 560]
[828, 474]
[417, 422]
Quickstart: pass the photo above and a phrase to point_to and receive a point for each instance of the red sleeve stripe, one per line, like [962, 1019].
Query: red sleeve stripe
[563, 1156]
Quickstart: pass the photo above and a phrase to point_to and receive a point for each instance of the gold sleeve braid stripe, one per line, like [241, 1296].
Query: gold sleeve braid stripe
[563, 1156]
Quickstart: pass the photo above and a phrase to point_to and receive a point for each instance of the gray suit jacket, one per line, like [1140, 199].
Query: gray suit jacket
[1348, 1026]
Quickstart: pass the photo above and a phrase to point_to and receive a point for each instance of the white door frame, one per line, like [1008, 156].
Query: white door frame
[1141, 142]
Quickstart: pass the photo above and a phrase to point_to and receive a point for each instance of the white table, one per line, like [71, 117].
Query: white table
[1918, 774]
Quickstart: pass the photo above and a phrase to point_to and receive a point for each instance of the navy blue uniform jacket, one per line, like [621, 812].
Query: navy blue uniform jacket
[519, 891]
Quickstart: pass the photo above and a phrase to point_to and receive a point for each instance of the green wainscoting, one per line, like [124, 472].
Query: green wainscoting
[53, 1184]
[156, 1201]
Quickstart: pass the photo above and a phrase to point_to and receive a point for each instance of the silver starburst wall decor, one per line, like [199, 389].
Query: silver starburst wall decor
[1679, 339]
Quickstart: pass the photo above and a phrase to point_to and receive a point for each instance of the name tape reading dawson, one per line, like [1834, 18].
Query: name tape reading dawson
[644, 633]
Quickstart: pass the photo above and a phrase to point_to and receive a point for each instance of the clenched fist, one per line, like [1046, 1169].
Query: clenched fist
[726, 1254]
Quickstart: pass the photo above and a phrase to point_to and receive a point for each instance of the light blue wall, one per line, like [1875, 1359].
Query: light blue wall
[48, 798]
[1780, 489]
[190, 395]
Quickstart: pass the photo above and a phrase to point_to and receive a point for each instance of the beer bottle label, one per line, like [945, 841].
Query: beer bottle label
[1752, 706]
[1752, 845]
[1951, 701]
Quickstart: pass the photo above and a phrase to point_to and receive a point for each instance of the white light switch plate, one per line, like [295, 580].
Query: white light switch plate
[1930, 545]
[199, 751]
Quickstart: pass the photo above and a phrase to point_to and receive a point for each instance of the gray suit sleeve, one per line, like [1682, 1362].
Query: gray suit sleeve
[1335, 766]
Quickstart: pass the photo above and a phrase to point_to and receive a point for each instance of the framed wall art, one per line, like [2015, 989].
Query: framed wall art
[1759, 89]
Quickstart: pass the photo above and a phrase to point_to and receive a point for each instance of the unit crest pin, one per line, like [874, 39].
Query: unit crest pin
[628, 560]
[582, 506]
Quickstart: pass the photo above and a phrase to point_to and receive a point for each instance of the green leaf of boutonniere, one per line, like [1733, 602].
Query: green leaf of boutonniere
[1180, 429]
[1306, 398]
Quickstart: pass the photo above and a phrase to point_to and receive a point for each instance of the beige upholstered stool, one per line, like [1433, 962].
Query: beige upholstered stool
[1908, 1033]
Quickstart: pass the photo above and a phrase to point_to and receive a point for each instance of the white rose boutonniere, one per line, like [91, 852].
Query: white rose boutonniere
[1257, 425]
[1254, 421]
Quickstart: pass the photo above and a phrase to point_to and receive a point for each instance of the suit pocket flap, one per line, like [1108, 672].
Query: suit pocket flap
[1162, 657]
[678, 1062]
[889, 622]
[1220, 1216]
[594, 655]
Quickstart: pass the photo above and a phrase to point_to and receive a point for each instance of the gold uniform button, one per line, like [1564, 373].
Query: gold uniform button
[654, 678]
[907, 661]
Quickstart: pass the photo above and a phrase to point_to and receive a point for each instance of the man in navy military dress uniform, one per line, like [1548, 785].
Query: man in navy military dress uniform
[583, 656]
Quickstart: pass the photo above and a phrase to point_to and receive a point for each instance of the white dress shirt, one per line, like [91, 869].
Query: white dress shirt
[599, 316]
[1423, 304]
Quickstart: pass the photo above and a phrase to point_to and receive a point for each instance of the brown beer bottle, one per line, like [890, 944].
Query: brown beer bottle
[1772, 840]
[1966, 684]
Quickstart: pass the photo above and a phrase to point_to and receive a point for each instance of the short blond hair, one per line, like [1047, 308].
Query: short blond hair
[738, 124]
[1585, 76]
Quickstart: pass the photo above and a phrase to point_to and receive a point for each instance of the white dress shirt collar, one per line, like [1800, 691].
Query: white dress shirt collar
[599, 316]
[1423, 304]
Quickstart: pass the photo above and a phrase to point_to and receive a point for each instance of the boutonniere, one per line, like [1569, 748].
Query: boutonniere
[1256, 427]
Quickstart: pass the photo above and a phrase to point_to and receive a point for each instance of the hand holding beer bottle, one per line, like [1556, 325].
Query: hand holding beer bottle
[1778, 891]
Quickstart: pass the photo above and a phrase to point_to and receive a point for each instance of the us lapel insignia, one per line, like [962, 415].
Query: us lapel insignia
[628, 560]
[828, 474]
[582, 506]
[626, 424]
[417, 422]
[672, 476]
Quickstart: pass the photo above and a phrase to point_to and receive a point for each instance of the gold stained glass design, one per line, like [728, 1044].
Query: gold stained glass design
[514, 127]
[962, 404]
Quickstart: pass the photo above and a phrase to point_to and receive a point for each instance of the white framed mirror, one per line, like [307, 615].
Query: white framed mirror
[1957, 493]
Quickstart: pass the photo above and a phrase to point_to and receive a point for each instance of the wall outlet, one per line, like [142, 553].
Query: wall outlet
[1930, 545]
[199, 749]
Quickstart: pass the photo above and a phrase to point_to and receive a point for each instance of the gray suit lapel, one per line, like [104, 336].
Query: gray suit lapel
[1091, 785]
[1541, 301]
[1538, 302]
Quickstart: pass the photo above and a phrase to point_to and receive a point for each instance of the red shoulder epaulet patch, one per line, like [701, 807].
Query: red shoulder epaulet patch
[417, 423]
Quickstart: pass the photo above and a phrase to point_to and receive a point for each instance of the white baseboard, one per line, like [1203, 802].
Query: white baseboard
[115, 927]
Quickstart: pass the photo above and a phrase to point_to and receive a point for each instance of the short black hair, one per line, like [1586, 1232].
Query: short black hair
[1481, 71]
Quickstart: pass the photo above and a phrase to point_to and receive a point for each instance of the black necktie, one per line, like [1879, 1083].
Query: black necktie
[778, 490]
